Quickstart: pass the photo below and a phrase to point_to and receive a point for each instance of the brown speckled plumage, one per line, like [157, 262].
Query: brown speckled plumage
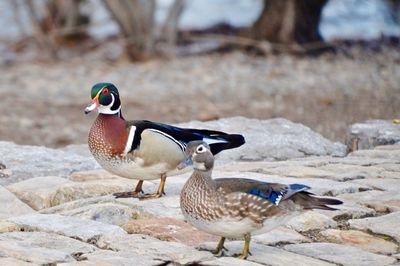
[238, 207]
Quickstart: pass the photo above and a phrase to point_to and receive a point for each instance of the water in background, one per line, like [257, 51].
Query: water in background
[341, 19]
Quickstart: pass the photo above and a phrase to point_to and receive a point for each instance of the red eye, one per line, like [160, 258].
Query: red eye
[105, 91]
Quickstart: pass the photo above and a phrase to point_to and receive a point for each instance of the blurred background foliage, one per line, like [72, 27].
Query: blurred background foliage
[145, 29]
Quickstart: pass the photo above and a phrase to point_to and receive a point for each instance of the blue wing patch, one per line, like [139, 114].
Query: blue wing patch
[298, 187]
[270, 195]
[275, 196]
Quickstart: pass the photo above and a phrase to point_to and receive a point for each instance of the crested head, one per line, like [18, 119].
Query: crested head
[201, 155]
[105, 98]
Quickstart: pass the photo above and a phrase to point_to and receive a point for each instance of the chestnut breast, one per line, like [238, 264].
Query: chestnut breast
[108, 135]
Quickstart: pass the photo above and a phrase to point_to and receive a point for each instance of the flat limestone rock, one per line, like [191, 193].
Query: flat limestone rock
[78, 190]
[378, 153]
[15, 262]
[311, 220]
[267, 255]
[65, 225]
[280, 235]
[388, 184]
[138, 244]
[37, 192]
[108, 213]
[274, 139]
[361, 240]
[167, 206]
[348, 210]
[169, 229]
[37, 255]
[32, 161]
[12, 206]
[7, 227]
[112, 258]
[386, 224]
[380, 201]
[229, 261]
[92, 175]
[373, 133]
[339, 254]
[49, 241]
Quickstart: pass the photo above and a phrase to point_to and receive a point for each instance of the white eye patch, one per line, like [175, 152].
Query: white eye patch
[201, 149]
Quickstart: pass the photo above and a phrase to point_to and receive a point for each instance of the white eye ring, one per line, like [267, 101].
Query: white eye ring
[201, 149]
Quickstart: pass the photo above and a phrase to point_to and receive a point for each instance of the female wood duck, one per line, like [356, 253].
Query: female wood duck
[236, 207]
[141, 149]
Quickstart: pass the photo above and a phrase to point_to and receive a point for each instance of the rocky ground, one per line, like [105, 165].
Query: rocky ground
[57, 208]
[42, 103]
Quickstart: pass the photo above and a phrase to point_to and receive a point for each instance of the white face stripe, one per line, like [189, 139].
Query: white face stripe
[128, 144]
[107, 109]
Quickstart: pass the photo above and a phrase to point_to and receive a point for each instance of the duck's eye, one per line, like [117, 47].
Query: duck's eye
[201, 149]
[105, 91]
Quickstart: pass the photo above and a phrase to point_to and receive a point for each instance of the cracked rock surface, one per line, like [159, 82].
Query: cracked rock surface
[68, 216]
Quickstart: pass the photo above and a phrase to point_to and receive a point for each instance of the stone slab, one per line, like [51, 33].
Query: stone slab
[340, 254]
[267, 255]
[311, 220]
[361, 240]
[386, 224]
[144, 245]
[12, 206]
[279, 236]
[67, 226]
[37, 192]
[169, 229]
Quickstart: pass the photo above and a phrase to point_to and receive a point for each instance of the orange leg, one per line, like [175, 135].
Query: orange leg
[160, 190]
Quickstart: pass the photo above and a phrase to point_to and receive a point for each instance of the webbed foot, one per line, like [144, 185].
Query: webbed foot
[218, 251]
[246, 247]
[128, 194]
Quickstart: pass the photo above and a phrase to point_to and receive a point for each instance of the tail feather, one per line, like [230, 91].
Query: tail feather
[229, 142]
[309, 202]
[218, 140]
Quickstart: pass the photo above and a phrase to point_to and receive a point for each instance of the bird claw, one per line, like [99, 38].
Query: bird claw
[151, 196]
[240, 256]
[127, 194]
[219, 252]
[215, 251]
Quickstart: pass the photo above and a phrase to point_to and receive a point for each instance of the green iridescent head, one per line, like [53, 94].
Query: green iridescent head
[105, 98]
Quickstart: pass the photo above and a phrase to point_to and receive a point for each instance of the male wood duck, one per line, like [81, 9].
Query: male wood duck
[142, 149]
[236, 207]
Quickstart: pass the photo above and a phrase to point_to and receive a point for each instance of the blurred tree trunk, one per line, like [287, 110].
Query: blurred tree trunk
[136, 22]
[394, 6]
[44, 41]
[169, 31]
[64, 19]
[57, 22]
[135, 19]
[289, 21]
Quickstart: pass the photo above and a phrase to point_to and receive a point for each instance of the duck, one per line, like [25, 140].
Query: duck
[142, 149]
[237, 208]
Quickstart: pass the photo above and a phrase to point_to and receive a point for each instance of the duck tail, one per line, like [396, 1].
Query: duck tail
[309, 201]
[224, 142]
[219, 140]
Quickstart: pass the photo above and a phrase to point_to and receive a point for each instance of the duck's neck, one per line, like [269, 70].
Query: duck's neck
[117, 113]
[203, 178]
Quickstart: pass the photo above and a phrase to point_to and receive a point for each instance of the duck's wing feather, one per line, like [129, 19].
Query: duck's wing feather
[275, 192]
[217, 140]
